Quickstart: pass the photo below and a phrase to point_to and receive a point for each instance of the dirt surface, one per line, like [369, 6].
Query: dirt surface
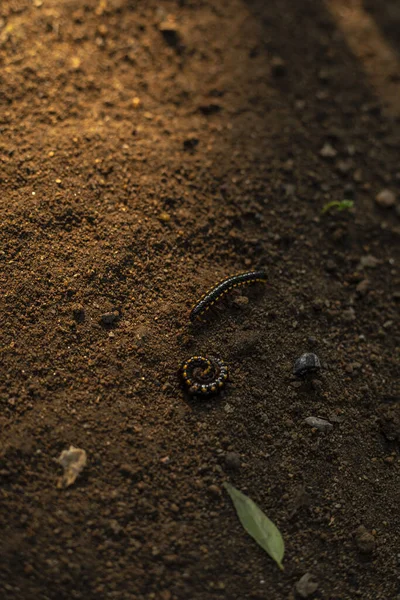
[149, 150]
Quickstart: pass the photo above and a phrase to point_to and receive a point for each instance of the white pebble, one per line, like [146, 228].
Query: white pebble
[320, 424]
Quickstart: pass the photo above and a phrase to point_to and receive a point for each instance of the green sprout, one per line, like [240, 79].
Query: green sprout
[338, 205]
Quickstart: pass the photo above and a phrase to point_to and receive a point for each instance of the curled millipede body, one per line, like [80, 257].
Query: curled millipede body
[204, 375]
[222, 288]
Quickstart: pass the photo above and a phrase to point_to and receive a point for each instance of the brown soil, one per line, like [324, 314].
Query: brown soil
[148, 150]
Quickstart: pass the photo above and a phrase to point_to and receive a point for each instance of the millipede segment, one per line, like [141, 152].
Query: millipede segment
[222, 288]
[204, 375]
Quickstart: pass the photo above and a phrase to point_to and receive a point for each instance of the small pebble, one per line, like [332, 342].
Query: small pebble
[232, 460]
[307, 363]
[109, 318]
[79, 313]
[190, 143]
[241, 301]
[115, 527]
[349, 315]
[319, 424]
[368, 261]
[363, 287]
[330, 266]
[386, 199]
[214, 490]
[169, 30]
[328, 151]
[365, 541]
[278, 66]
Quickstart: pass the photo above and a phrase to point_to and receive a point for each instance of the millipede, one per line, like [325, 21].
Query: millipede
[222, 288]
[204, 375]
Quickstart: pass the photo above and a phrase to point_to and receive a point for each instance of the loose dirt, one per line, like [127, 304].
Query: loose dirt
[149, 150]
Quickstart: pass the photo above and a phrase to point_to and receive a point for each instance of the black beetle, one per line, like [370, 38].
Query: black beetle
[307, 363]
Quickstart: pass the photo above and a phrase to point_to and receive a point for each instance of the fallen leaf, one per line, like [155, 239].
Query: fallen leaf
[73, 461]
[257, 524]
[307, 585]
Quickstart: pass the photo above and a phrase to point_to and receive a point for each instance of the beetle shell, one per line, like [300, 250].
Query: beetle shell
[307, 363]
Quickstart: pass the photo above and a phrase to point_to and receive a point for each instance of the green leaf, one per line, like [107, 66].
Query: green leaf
[257, 524]
[339, 206]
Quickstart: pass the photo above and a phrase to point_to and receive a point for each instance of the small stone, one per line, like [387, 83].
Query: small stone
[190, 143]
[241, 301]
[232, 460]
[330, 266]
[365, 541]
[115, 527]
[164, 217]
[127, 470]
[344, 166]
[368, 261]
[290, 189]
[306, 585]
[278, 66]
[318, 304]
[386, 199]
[109, 318]
[170, 32]
[214, 490]
[323, 75]
[349, 315]
[363, 287]
[136, 102]
[307, 363]
[328, 151]
[79, 313]
[319, 424]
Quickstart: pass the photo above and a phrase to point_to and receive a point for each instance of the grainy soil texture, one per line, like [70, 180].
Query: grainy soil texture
[149, 150]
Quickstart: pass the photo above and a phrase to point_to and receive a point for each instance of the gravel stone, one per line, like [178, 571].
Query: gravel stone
[319, 424]
[386, 199]
[109, 318]
[232, 460]
[363, 287]
[349, 315]
[365, 541]
[328, 151]
[368, 261]
[79, 313]
[278, 66]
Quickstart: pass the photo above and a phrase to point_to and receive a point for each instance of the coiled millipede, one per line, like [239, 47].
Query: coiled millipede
[204, 375]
